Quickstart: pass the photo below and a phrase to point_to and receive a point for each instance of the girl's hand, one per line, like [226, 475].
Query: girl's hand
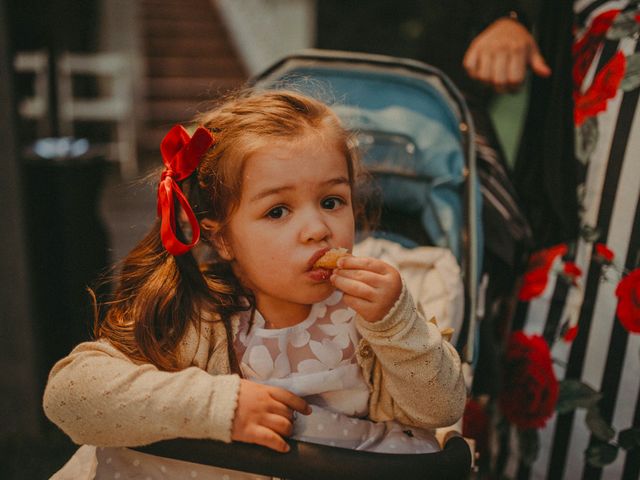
[265, 415]
[370, 286]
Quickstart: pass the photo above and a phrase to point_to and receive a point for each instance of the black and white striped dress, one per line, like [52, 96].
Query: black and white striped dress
[604, 355]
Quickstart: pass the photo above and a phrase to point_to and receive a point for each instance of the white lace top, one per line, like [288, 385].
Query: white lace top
[315, 359]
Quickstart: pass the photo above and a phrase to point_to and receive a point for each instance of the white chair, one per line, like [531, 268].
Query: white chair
[35, 107]
[114, 104]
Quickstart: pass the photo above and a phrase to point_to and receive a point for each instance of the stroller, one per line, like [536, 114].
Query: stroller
[416, 135]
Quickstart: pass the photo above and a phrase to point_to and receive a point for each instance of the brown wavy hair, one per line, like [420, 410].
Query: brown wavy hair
[157, 295]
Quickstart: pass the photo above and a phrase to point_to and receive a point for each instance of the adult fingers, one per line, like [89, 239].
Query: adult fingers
[538, 64]
[470, 60]
[485, 67]
[499, 68]
[516, 71]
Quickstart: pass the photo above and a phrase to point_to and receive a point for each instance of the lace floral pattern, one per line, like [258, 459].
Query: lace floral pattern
[313, 358]
[316, 359]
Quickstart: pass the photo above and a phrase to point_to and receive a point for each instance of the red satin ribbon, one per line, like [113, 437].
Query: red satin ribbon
[181, 155]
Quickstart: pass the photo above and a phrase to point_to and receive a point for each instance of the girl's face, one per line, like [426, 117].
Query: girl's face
[295, 204]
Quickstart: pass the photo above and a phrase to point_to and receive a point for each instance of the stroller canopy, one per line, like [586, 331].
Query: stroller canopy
[409, 126]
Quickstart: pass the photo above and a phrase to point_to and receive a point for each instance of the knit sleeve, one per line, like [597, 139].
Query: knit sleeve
[415, 375]
[98, 396]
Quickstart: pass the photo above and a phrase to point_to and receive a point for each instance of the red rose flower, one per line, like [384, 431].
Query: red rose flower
[603, 253]
[584, 50]
[604, 87]
[475, 424]
[628, 293]
[530, 389]
[536, 277]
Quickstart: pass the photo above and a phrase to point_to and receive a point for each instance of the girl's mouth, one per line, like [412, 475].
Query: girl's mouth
[314, 258]
[319, 274]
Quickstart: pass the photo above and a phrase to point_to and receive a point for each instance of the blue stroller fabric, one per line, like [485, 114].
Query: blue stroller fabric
[410, 141]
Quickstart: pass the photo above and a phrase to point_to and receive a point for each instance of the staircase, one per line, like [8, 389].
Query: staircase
[190, 61]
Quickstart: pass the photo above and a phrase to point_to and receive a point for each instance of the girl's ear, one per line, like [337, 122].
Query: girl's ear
[213, 231]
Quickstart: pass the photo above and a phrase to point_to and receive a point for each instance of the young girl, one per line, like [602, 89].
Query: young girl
[234, 348]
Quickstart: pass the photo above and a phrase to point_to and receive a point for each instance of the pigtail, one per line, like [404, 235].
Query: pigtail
[158, 296]
[153, 303]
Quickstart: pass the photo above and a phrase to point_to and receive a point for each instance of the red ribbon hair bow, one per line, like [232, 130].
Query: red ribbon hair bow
[181, 155]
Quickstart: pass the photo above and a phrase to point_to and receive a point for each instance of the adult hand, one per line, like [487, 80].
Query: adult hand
[370, 286]
[265, 415]
[501, 54]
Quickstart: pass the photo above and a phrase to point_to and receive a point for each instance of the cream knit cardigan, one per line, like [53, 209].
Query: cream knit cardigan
[99, 396]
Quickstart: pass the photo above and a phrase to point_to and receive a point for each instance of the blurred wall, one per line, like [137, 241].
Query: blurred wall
[266, 30]
[118, 30]
[19, 393]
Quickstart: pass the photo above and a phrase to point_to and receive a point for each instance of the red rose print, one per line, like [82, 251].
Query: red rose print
[584, 50]
[571, 272]
[628, 293]
[536, 277]
[475, 424]
[604, 86]
[603, 253]
[570, 334]
[530, 388]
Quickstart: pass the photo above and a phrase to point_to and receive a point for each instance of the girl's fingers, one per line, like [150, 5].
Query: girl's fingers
[290, 400]
[281, 409]
[353, 287]
[375, 280]
[363, 263]
[268, 438]
[279, 424]
[358, 304]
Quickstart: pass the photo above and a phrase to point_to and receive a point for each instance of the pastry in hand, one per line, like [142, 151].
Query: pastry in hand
[330, 259]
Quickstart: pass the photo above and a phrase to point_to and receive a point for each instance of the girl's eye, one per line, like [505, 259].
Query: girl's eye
[277, 212]
[332, 203]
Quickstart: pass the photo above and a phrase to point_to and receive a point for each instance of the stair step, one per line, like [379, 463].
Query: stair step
[190, 61]
[224, 67]
[182, 5]
[168, 11]
[178, 27]
[190, 87]
[186, 47]
[150, 138]
[175, 110]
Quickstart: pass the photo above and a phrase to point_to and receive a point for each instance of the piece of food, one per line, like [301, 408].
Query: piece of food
[330, 259]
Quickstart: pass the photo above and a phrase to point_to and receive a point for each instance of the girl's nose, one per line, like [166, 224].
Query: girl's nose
[314, 229]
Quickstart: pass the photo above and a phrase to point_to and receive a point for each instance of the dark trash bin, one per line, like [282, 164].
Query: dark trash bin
[67, 242]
